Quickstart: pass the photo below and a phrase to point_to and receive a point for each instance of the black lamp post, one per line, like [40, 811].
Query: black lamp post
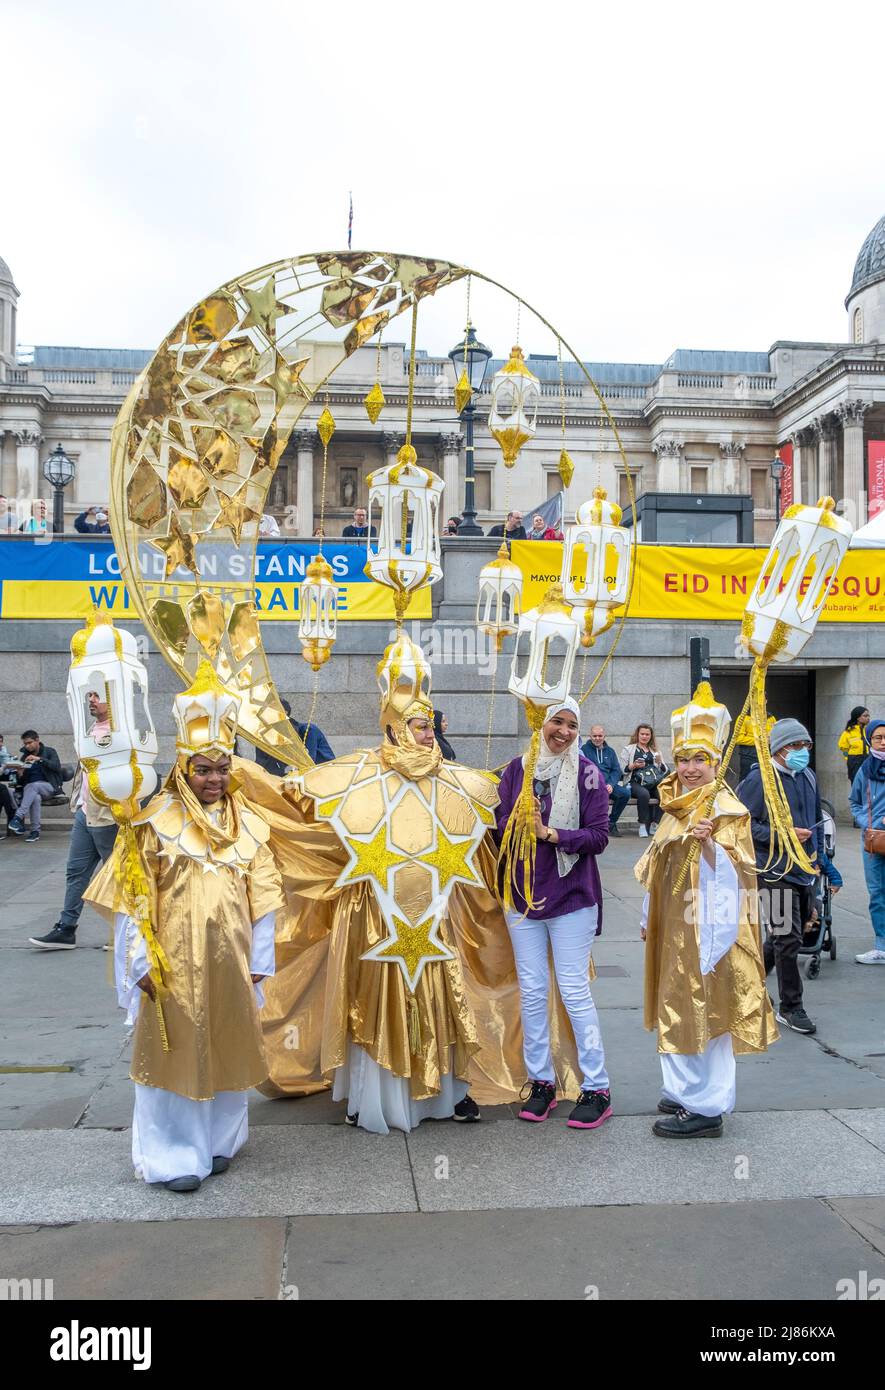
[470, 356]
[59, 471]
[777, 472]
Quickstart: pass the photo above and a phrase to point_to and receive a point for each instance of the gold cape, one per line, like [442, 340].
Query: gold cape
[209, 883]
[323, 991]
[687, 1008]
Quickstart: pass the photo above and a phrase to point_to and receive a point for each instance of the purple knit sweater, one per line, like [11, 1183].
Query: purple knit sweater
[581, 886]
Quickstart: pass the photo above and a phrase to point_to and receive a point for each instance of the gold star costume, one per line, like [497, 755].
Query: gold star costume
[704, 978]
[215, 890]
[394, 965]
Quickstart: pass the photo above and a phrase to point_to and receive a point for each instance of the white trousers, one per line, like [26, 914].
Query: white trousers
[571, 939]
[703, 1084]
[382, 1100]
[173, 1136]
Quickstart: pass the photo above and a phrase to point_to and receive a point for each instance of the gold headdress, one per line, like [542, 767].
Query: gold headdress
[701, 725]
[205, 716]
[404, 681]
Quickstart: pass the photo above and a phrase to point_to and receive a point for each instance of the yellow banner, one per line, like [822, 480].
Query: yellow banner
[699, 582]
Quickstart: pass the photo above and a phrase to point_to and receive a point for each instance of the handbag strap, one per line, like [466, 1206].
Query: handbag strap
[870, 803]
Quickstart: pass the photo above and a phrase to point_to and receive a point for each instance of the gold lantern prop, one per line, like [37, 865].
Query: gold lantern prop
[318, 622]
[513, 415]
[540, 678]
[500, 597]
[599, 541]
[117, 746]
[404, 501]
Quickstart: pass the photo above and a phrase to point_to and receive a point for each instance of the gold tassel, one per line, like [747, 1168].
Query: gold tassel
[783, 839]
[519, 841]
[135, 894]
[414, 1026]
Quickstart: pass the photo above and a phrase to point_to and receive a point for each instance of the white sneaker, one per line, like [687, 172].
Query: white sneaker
[875, 957]
[643, 833]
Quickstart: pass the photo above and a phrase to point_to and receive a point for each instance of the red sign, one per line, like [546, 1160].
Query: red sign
[876, 475]
[787, 489]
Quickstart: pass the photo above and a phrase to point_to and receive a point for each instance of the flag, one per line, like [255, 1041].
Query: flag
[350, 222]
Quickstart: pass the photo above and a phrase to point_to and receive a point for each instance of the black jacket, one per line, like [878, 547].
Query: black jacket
[361, 532]
[48, 769]
[517, 534]
[803, 798]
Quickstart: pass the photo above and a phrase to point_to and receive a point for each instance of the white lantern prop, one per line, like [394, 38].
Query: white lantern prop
[788, 598]
[599, 539]
[500, 597]
[513, 415]
[405, 554]
[117, 750]
[318, 624]
[553, 636]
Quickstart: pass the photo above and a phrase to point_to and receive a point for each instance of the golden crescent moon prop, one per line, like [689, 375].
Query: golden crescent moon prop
[197, 441]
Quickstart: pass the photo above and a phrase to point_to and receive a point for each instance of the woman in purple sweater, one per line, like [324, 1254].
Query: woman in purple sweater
[571, 825]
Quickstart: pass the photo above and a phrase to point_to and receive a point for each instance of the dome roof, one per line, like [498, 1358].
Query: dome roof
[870, 264]
[5, 272]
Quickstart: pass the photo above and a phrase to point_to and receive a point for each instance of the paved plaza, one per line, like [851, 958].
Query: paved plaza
[790, 1202]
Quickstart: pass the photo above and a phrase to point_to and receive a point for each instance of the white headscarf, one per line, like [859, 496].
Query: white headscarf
[560, 770]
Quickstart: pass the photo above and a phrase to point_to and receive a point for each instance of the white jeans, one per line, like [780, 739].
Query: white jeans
[571, 938]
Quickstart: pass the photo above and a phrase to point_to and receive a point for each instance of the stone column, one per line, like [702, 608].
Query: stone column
[851, 414]
[669, 452]
[449, 449]
[27, 483]
[799, 441]
[393, 442]
[824, 427]
[305, 443]
[731, 451]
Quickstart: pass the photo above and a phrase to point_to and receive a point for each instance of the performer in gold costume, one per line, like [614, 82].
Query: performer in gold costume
[215, 892]
[395, 972]
[704, 979]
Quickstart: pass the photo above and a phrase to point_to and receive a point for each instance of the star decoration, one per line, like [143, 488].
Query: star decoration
[450, 859]
[234, 514]
[179, 547]
[373, 858]
[285, 378]
[411, 948]
[264, 308]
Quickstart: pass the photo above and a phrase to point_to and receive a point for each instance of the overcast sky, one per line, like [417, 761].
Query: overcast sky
[650, 176]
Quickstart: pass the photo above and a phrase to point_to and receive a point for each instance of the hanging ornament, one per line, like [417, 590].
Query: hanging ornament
[513, 416]
[565, 468]
[404, 502]
[318, 624]
[601, 545]
[374, 402]
[500, 597]
[542, 675]
[326, 426]
[463, 393]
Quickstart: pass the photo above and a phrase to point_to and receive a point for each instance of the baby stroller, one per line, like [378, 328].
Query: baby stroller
[814, 943]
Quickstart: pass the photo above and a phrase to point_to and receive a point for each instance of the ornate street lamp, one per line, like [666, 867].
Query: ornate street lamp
[469, 359]
[777, 472]
[58, 470]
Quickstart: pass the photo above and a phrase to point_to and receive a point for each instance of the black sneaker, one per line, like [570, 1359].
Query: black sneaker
[541, 1100]
[592, 1110]
[684, 1125]
[34, 835]
[189, 1183]
[467, 1111]
[220, 1164]
[613, 830]
[59, 939]
[797, 1019]
[668, 1107]
[353, 1119]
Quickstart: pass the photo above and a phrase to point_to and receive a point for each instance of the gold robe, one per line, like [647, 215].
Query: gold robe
[323, 992]
[209, 883]
[687, 1008]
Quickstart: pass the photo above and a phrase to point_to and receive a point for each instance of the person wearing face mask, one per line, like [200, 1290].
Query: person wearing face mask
[704, 982]
[868, 810]
[564, 912]
[788, 897]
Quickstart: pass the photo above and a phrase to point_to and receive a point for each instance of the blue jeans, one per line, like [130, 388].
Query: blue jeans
[90, 846]
[874, 873]
[620, 797]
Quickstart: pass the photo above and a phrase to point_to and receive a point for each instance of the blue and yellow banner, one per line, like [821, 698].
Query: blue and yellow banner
[66, 579]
